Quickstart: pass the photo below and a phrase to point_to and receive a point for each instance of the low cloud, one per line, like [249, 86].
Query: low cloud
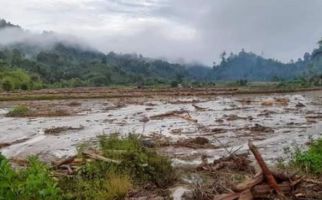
[188, 29]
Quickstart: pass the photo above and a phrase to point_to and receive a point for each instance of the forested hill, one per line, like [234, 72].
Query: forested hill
[249, 66]
[48, 59]
[5, 24]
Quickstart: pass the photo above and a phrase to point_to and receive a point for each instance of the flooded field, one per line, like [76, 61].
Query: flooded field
[184, 128]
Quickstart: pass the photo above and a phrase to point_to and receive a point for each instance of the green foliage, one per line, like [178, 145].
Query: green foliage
[141, 163]
[108, 186]
[95, 180]
[34, 182]
[18, 79]
[7, 84]
[107, 180]
[309, 161]
[18, 111]
[37, 182]
[8, 180]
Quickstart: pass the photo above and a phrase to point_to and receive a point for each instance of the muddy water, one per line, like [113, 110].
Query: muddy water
[273, 122]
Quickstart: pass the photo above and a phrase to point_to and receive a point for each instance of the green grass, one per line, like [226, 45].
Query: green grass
[139, 166]
[309, 161]
[18, 111]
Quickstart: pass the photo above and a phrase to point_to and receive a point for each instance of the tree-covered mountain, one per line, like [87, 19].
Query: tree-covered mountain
[61, 61]
[249, 66]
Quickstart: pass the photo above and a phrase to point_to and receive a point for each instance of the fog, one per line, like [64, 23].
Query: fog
[177, 29]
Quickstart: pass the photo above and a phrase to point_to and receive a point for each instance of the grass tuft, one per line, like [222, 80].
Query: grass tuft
[18, 111]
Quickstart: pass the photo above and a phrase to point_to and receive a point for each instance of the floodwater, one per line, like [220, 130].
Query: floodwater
[274, 122]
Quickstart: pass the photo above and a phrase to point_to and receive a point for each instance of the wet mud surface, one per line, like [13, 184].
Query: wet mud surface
[184, 128]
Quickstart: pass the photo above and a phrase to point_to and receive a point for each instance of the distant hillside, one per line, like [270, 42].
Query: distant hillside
[61, 61]
[249, 66]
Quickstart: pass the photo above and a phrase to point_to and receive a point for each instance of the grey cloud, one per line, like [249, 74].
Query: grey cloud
[190, 29]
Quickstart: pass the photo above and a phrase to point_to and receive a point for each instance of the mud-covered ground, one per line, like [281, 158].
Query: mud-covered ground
[221, 124]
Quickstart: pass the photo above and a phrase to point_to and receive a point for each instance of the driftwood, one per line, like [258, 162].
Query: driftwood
[246, 195]
[264, 190]
[265, 184]
[266, 172]
[59, 163]
[99, 157]
[248, 184]
[168, 114]
[198, 107]
[231, 196]
[175, 113]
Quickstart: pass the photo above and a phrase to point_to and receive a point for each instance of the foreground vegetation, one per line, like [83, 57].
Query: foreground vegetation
[137, 167]
[309, 161]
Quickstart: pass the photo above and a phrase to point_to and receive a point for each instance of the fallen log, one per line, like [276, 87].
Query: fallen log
[99, 157]
[168, 114]
[232, 196]
[313, 181]
[249, 184]
[68, 168]
[266, 172]
[198, 107]
[265, 190]
[61, 162]
[246, 195]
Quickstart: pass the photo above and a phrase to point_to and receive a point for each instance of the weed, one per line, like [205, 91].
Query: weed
[34, 182]
[309, 161]
[18, 111]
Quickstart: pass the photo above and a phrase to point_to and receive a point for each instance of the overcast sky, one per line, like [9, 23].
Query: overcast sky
[195, 30]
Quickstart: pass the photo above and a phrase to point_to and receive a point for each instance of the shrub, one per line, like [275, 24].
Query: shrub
[174, 84]
[109, 187]
[141, 163]
[34, 182]
[18, 111]
[7, 85]
[37, 183]
[8, 179]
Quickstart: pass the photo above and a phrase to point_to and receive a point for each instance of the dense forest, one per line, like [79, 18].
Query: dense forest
[31, 64]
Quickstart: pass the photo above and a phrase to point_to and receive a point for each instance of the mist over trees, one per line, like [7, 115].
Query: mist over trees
[48, 60]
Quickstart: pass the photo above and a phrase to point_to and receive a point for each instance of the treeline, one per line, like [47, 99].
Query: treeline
[251, 67]
[68, 66]
[18, 79]
[32, 64]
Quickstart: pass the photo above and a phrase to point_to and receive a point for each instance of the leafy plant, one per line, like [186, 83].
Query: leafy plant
[310, 161]
[34, 182]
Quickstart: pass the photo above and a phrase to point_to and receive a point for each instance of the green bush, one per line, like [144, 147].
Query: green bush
[141, 163]
[18, 79]
[34, 182]
[99, 180]
[18, 111]
[309, 161]
[7, 85]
